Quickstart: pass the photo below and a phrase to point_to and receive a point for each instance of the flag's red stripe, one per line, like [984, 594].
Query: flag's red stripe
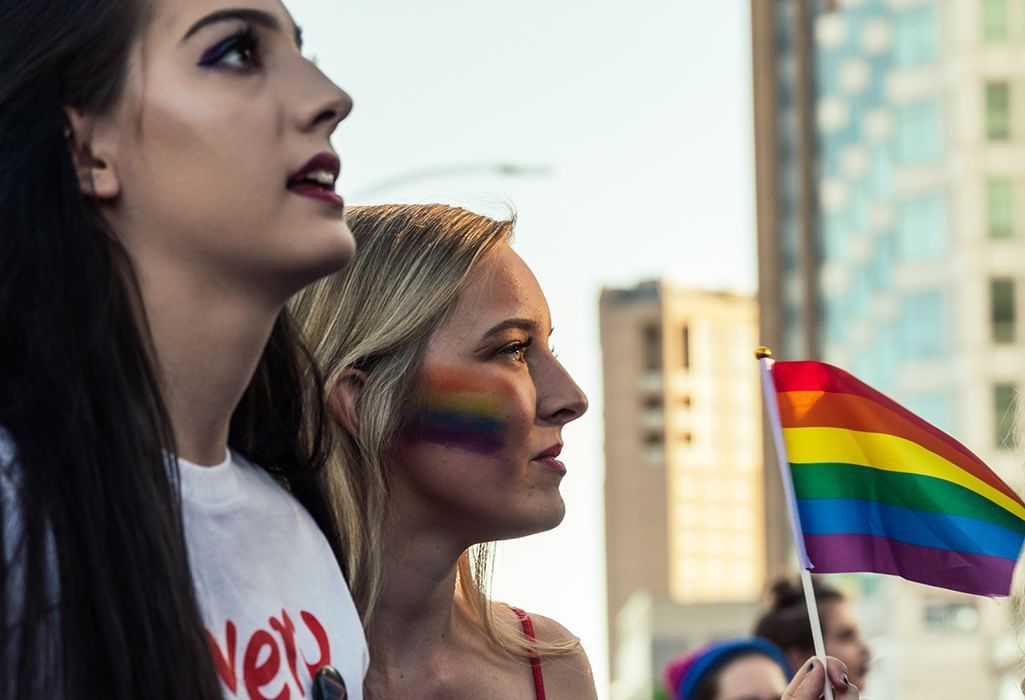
[810, 409]
[808, 375]
[977, 574]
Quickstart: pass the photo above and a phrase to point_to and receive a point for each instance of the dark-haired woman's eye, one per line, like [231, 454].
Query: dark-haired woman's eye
[240, 51]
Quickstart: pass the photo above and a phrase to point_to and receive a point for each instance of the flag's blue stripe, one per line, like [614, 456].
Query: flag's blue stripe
[836, 516]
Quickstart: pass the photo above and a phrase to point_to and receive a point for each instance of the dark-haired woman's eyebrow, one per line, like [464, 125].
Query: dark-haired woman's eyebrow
[245, 14]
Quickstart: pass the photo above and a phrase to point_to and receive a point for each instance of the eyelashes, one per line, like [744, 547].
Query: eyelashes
[240, 52]
[518, 350]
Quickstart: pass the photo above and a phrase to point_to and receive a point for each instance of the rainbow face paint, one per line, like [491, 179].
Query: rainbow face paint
[463, 409]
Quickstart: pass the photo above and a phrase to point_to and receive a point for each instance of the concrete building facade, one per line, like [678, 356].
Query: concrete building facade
[683, 492]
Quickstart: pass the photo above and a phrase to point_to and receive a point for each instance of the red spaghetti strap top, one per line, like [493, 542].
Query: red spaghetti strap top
[535, 662]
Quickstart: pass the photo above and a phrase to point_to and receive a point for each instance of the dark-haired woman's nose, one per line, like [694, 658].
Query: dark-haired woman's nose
[323, 104]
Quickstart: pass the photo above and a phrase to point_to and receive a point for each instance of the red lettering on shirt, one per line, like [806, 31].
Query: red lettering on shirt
[261, 663]
[225, 666]
[259, 673]
[321, 637]
[286, 629]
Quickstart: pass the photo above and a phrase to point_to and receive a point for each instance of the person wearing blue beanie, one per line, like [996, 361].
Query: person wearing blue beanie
[734, 669]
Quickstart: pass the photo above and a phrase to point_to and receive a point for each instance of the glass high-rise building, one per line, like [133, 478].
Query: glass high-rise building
[890, 141]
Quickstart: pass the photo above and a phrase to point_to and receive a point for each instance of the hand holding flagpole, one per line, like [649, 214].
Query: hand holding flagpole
[765, 361]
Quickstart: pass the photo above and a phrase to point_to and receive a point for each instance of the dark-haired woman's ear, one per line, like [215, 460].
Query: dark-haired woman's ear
[92, 152]
[343, 399]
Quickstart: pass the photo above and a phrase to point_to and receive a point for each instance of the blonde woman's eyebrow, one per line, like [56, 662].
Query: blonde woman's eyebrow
[524, 324]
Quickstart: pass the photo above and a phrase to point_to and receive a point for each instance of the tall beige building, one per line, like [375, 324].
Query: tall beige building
[683, 493]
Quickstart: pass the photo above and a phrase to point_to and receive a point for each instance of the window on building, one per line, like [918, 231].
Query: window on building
[998, 110]
[936, 407]
[685, 345]
[922, 227]
[916, 36]
[654, 448]
[923, 325]
[999, 208]
[880, 271]
[1004, 396]
[994, 21]
[652, 339]
[881, 175]
[1001, 309]
[919, 132]
[951, 618]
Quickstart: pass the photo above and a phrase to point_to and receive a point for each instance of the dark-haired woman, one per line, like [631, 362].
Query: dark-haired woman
[166, 183]
[786, 625]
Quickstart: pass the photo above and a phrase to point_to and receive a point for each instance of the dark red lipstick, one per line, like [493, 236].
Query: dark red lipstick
[316, 179]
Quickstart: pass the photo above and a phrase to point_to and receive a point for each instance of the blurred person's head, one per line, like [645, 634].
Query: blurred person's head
[449, 401]
[733, 669]
[786, 623]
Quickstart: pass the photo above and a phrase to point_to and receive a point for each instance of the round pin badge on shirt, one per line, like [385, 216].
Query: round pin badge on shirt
[328, 684]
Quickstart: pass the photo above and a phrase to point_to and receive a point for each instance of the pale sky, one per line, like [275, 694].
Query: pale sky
[640, 113]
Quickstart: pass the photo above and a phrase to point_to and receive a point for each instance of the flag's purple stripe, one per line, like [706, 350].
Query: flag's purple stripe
[969, 573]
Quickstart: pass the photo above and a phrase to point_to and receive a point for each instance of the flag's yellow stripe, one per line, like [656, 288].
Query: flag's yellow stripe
[886, 452]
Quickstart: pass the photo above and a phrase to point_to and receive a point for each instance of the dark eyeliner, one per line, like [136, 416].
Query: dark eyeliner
[244, 40]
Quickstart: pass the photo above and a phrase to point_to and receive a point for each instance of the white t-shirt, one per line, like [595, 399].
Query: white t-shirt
[274, 603]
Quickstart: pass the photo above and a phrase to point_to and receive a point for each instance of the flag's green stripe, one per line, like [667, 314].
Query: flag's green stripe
[833, 480]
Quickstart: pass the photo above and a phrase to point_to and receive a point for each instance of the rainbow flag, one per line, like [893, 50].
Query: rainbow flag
[878, 489]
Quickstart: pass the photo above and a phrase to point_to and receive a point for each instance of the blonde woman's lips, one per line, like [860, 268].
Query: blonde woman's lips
[549, 461]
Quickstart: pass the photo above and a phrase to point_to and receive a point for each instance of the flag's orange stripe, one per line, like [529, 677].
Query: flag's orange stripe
[814, 409]
[808, 375]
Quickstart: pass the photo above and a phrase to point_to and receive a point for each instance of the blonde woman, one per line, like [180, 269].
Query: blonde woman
[449, 408]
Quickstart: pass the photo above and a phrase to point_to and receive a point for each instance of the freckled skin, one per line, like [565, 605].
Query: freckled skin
[489, 361]
[475, 494]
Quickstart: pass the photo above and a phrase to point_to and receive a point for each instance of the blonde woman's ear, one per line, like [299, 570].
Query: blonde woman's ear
[343, 398]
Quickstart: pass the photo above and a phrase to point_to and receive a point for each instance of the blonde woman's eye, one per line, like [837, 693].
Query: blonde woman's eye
[518, 350]
[554, 351]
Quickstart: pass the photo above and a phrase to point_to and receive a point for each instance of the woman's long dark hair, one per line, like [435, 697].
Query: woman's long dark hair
[96, 598]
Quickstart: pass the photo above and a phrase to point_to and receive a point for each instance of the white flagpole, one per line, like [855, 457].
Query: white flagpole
[765, 361]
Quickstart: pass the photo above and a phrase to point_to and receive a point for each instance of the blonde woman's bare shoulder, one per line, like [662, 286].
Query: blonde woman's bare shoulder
[566, 676]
